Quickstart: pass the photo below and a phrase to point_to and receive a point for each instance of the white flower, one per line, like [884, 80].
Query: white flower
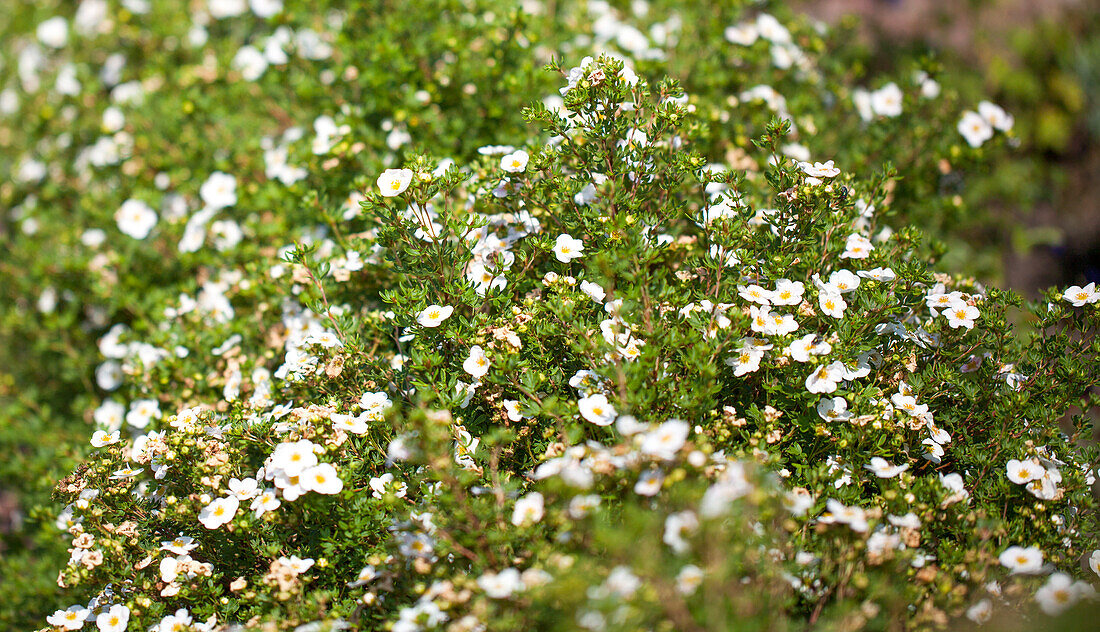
[221, 9]
[908, 521]
[832, 304]
[322, 478]
[854, 517]
[265, 502]
[825, 378]
[772, 30]
[219, 512]
[886, 101]
[250, 62]
[649, 483]
[746, 361]
[1046, 487]
[114, 619]
[528, 510]
[929, 87]
[366, 575]
[515, 162]
[857, 247]
[596, 409]
[884, 275]
[293, 458]
[666, 440]
[1079, 296]
[975, 129]
[755, 294]
[433, 315]
[580, 506]
[1094, 562]
[801, 349]
[742, 34]
[181, 545]
[169, 570]
[623, 582]
[933, 451]
[980, 612]
[689, 579]
[941, 300]
[819, 169]
[378, 486]
[477, 364]
[1023, 472]
[883, 469]
[996, 116]
[567, 248]
[355, 425]
[226, 233]
[244, 489]
[761, 319]
[136, 218]
[1026, 561]
[961, 315]
[53, 32]
[798, 501]
[101, 438]
[833, 409]
[628, 425]
[594, 292]
[143, 411]
[862, 100]
[181, 620]
[266, 8]
[511, 406]
[501, 585]
[71, 618]
[787, 292]
[394, 181]
[296, 564]
[676, 525]
[1059, 593]
[219, 191]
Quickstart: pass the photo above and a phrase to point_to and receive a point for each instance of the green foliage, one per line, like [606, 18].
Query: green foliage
[351, 359]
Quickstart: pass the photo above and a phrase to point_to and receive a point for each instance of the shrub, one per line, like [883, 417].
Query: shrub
[619, 368]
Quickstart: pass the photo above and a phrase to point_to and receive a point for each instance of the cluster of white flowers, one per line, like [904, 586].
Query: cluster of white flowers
[784, 52]
[886, 101]
[978, 127]
[652, 454]
[1041, 480]
[957, 307]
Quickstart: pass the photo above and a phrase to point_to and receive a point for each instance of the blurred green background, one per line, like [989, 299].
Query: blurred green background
[1040, 59]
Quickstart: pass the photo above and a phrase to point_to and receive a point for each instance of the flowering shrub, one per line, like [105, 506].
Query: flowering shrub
[629, 356]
